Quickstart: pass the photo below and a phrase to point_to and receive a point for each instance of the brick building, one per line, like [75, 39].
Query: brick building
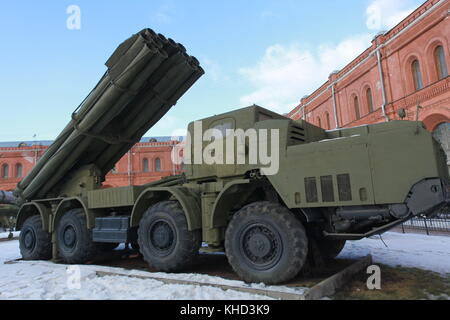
[147, 161]
[405, 67]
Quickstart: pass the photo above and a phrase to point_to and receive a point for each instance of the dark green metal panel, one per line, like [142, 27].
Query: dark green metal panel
[114, 197]
[188, 200]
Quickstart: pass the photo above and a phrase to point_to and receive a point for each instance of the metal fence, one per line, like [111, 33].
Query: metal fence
[437, 225]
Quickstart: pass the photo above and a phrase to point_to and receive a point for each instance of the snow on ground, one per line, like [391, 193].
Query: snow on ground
[407, 250]
[45, 280]
[48, 282]
[5, 235]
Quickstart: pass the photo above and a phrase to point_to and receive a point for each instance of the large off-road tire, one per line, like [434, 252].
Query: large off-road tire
[265, 242]
[75, 243]
[164, 239]
[34, 242]
[330, 249]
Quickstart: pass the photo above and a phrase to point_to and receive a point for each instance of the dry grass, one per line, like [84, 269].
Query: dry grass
[399, 283]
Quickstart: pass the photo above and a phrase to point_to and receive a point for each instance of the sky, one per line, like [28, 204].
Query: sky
[267, 52]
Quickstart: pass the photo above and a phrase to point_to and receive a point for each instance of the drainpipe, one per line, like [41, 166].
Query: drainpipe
[383, 87]
[173, 146]
[333, 92]
[129, 168]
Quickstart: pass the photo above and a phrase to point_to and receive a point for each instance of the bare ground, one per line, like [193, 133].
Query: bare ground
[399, 283]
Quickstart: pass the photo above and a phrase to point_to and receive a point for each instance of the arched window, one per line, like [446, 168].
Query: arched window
[145, 166]
[319, 122]
[417, 75]
[327, 119]
[5, 171]
[157, 165]
[441, 63]
[19, 170]
[369, 99]
[356, 106]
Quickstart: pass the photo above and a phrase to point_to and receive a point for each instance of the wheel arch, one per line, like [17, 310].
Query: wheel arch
[33, 209]
[187, 199]
[73, 203]
[227, 199]
[237, 190]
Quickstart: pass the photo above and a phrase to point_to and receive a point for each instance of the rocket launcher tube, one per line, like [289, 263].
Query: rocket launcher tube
[149, 108]
[136, 109]
[171, 79]
[84, 108]
[120, 150]
[77, 143]
[103, 111]
[161, 91]
[113, 98]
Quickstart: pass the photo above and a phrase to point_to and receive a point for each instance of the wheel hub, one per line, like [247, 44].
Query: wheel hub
[29, 239]
[261, 245]
[161, 235]
[69, 237]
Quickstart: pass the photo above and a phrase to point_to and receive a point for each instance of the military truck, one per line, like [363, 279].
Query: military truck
[322, 187]
[8, 210]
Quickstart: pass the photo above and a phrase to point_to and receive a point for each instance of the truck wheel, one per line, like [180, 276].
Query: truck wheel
[330, 249]
[74, 238]
[164, 239]
[34, 242]
[265, 242]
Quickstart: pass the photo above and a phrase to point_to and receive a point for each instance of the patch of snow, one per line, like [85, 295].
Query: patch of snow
[52, 282]
[406, 250]
[5, 235]
[202, 278]
[9, 250]
[46, 280]
[49, 281]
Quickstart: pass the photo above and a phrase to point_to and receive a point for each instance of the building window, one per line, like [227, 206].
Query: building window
[145, 166]
[5, 171]
[356, 106]
[327, 119]
[369, 99]
[417, 75]
[157, 165]
[441, 64]
[114, 170]
[319, 122]
[19, 170]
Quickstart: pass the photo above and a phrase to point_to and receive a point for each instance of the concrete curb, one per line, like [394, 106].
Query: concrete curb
[330, 285]
[268, 293]
[325, 288]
